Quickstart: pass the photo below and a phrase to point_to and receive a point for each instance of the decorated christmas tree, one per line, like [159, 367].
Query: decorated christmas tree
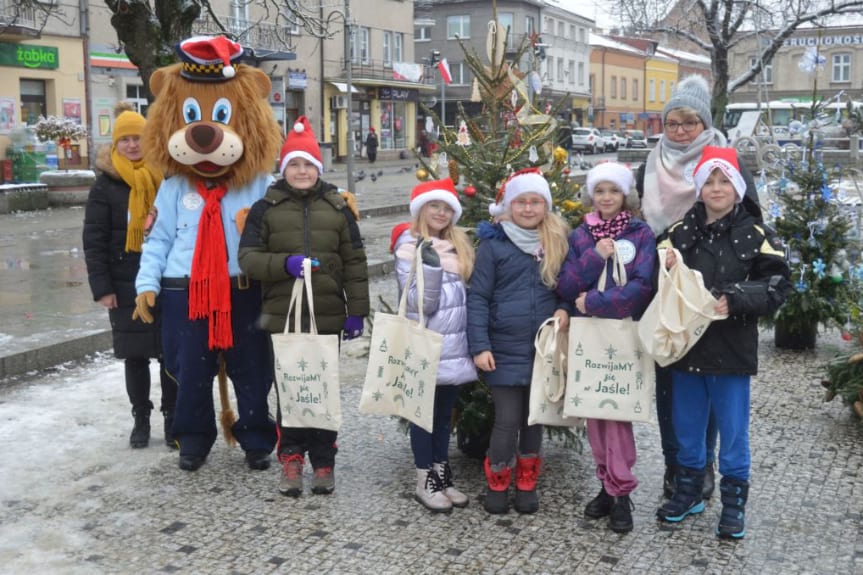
[807, 211]
[509, 133]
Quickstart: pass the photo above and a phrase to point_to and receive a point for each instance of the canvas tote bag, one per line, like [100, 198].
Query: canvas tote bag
[608, 374]
[403, 361]
[678, 315]
[307, 367]
[548, 382]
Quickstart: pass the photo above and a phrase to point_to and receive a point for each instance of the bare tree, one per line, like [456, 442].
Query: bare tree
[715, 27]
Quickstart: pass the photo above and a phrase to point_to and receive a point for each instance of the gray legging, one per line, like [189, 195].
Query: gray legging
[510, 426]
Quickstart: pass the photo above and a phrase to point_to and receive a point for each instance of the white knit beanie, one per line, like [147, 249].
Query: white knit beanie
[692, 92]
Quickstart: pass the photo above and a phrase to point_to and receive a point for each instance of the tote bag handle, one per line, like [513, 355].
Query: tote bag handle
[301, 284]
[416, 268]
[553, 395]
[618, 272]
[667, 277]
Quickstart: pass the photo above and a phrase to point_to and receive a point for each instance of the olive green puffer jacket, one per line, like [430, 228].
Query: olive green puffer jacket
[315, 223]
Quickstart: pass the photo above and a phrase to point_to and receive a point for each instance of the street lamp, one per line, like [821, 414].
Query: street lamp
[435, 58]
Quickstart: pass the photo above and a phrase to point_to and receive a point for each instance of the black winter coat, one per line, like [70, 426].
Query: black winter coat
[110, 268]
[743, 259]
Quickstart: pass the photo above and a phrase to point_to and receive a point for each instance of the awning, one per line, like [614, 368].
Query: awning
[343, 88]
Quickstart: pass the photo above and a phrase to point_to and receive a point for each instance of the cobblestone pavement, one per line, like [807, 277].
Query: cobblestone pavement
[134, 511]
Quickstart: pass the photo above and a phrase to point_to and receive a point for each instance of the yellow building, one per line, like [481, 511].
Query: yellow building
[660, 76]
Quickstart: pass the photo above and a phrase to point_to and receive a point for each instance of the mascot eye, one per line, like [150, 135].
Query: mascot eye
[222, 111]
[191, 111]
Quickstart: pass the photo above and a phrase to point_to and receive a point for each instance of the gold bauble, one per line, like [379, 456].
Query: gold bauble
[422, 174]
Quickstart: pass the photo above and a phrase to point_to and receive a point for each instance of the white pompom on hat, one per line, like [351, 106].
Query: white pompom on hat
[725, 159]
[522, 182]
[301, 143]
[691, 92]
[435, 190]
[617, 174]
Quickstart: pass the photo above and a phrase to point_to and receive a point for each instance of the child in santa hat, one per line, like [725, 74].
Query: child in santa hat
[447, 256]
[302, 216]
[511, 295]
[743, 263]
[610, 190]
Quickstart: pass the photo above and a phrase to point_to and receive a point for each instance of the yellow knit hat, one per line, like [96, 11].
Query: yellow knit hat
[127, 124]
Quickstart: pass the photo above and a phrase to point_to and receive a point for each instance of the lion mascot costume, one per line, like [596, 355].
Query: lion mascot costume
[212, 133]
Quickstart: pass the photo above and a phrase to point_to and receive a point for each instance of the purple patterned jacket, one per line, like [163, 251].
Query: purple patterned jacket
[583, 266]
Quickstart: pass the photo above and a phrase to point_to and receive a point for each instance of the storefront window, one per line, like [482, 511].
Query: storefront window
[33, 102]
[393, 125]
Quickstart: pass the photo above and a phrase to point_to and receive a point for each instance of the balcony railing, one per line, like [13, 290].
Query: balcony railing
[257, 35]
[380, 70]
[14, 16]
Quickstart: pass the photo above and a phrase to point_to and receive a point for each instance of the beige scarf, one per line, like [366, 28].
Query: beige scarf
[143, 181]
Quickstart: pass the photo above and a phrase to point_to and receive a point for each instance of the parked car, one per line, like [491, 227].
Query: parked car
[612, 140]
[588, 139]
[654, 139]
[635, 139]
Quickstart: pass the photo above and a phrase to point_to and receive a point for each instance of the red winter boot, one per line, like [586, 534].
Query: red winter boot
[526, 474]
[497, 493]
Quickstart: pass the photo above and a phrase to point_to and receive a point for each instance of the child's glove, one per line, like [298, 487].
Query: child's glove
[353, 327]
[144, 302]
[429, 255]
[294, 265]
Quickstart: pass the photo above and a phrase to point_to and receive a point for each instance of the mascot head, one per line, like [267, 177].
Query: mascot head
[211, 118]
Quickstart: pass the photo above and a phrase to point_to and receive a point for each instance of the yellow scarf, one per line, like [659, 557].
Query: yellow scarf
[143, 182]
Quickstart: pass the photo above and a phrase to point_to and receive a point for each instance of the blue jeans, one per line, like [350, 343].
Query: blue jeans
[727, 398]
[666, 425]
[433, 447]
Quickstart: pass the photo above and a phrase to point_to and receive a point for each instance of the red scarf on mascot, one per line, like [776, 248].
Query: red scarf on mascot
[210, 284]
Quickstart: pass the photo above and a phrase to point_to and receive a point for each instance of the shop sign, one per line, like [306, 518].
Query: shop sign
[297, 80]
[398, 94]
[29, 56]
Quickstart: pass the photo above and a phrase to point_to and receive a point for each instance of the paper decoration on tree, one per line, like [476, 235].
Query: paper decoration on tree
[535, 82]
[463, 138]
[532, 155]
[475, 96]
[495, 43]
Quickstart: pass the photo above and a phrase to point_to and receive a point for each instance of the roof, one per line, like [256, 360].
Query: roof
[605, 42]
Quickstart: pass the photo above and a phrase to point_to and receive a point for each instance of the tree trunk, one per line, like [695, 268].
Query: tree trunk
[721, 76]
[149, 38]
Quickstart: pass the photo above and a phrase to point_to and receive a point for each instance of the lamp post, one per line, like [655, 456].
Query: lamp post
[349, 136]
[435, 58]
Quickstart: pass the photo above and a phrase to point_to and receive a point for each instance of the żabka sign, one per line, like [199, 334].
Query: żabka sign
[29, 56]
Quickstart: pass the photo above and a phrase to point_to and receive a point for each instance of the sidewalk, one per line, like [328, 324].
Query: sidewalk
[47, 315]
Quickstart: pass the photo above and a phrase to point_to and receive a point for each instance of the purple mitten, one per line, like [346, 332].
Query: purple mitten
[353, 327]
[294, 265]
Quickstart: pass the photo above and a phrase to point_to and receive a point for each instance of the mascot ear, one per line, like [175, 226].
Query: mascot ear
[262, 81]
[157, 81]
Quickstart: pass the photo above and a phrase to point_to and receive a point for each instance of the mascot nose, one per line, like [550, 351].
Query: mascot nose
[204, 138]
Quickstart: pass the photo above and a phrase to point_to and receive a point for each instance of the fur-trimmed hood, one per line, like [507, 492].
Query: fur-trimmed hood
[104, 163]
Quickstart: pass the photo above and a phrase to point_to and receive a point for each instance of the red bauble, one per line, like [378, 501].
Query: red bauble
[846, 336]
[470, 191]
[566, 170]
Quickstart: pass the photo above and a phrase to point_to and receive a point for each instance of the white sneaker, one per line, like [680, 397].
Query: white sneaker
[430, 491]
[455, 496]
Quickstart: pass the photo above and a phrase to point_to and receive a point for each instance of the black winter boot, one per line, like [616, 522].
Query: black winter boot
[140, 436]
[668, 482]
[599, 506]
[709, 482]
[620, 518]
[687, 498]
[734, 493]
[170, 441]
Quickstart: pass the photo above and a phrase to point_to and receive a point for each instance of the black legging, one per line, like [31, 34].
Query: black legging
[138, 385]
[510, 429]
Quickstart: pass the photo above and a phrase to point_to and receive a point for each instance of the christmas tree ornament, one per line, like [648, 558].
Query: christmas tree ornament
[463, 137]
[495, 43]
[452, 166]
[474, 92]
[532, 155]
[442, 160]
[818, 266]
[422, 174]
[836, 273]
[513, 98]
[470, 191]
[535, 82]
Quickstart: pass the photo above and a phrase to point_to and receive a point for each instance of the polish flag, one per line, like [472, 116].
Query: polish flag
[443, 66]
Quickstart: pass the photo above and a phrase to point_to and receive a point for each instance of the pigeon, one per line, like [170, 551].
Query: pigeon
[380, 173]
[374, 178]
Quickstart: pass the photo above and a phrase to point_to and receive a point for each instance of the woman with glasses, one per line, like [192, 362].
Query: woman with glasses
[665, 186]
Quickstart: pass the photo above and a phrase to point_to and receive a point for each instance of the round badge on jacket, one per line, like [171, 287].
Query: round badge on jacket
[192, 201]
[625, 250]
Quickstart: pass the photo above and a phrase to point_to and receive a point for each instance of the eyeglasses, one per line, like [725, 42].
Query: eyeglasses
[688, 125]
[522, 204]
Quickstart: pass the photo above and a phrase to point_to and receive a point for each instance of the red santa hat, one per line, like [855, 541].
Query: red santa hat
[617, 174]
[440, 190]
[301, 143]
[522, 182]
[208, 59]
[724, 159]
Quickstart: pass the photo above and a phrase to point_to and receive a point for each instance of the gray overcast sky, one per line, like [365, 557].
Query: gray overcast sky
[594, 9]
